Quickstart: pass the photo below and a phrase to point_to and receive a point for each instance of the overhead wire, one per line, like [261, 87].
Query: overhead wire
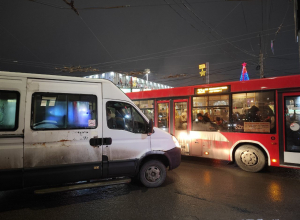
[109, 63]
[145, 55]
[107, 50]
[202, 21]
[114, 7]
[182, 16]
[122, 61]
[193, 80]
[28, 63]
[48, 4]
[213, 72]
[96, 38]
[21, 43]
[281, 25]
[191, 46]
[136, 60]
[24, 64]
[246, 25]
[213, 29]
[267, 39]
[222, 63]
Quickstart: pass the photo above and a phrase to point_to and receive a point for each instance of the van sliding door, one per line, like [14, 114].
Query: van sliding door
[61, 118]
[12, 102]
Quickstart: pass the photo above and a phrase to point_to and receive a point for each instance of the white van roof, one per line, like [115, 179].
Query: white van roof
[110, 90]
[53, 77]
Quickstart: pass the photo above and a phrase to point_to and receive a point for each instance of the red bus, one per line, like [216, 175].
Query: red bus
[253, 123]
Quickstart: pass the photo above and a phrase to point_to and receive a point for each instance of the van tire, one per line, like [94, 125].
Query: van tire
[153, 173]
[250, 158]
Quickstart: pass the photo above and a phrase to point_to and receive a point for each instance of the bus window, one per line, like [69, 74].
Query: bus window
[147, 107]
[181, 116]
[163, 116]
[210, 113]
[253, 112]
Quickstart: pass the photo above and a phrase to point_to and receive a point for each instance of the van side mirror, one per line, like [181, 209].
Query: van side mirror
[150, 127]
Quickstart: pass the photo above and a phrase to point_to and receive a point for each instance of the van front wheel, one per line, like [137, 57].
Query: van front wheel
[153, 173]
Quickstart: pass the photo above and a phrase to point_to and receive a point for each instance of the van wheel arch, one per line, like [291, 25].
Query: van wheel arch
[154, 156]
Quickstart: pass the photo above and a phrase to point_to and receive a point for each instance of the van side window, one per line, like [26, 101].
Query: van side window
[63, 111]
[139, 125]
[82, 111]
[122, 116]
[9, 105]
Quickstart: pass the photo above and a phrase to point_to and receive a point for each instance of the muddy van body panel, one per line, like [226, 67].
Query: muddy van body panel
[61, 150]
[55, 130]
[13, 91]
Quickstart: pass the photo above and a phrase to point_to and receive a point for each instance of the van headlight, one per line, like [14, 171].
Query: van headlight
[176, 141]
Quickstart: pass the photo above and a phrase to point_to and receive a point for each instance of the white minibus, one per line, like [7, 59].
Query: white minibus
[56, 130]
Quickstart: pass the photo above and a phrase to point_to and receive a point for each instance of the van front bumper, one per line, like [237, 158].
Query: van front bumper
[174, 157]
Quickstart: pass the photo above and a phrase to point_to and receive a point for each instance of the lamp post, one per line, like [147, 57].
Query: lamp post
[147, 71]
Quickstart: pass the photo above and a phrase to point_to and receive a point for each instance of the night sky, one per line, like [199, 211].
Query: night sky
[169, 37]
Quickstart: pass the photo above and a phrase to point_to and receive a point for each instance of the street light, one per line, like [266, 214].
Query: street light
[147, 71]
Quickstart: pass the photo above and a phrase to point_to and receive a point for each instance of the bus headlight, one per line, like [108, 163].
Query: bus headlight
[176, 141]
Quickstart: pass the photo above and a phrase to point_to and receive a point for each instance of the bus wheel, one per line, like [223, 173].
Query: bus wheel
[250, 158]
[153, 173]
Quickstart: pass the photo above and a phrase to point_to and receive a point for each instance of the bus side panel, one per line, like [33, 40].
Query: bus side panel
[269, 143]
[210, 145]
[12, 107]
[218, 145]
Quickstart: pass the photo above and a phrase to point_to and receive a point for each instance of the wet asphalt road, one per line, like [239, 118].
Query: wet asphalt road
[198, 189]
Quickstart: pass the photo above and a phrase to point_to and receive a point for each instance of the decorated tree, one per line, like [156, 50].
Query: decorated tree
[244, 75]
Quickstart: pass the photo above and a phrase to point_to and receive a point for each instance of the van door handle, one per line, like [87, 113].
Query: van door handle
[100, 141]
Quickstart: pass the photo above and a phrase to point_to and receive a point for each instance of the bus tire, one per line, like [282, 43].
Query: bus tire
[153, 173]
[250, 158]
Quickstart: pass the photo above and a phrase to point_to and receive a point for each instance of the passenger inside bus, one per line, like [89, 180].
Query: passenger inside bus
[183, 120]
[203, 123]
[253, 114]
[219, 123]
[268, 115]
[206, 117]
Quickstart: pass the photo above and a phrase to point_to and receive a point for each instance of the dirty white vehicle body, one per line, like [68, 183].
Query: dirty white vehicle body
[54, 130]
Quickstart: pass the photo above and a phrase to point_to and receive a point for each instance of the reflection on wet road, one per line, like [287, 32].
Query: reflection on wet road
[198, 189]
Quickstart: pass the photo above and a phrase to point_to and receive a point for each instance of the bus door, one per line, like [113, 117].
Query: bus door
[163, 115]
[181, 123]
[291, 122]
